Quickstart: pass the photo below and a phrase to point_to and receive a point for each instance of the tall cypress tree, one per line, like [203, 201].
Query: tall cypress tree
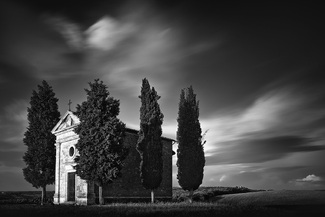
[42, 116]
[149, 144]
[190, 153]
[101, 133]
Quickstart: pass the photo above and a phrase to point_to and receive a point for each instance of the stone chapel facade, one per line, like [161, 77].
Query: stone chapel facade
[70, 188]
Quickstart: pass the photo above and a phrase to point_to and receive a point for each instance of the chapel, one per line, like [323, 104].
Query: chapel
[70, 188]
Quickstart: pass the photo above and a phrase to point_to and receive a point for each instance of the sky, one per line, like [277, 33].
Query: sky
[256, 69]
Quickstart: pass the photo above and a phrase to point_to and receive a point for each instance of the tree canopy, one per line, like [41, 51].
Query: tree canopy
[101, 133]
[42, 116]
[190, 153]
[149, 143]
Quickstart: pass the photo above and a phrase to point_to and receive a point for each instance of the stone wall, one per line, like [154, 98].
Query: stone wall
[129, 185]
[64, 164]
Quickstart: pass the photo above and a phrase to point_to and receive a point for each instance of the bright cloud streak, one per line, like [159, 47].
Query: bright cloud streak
[271, 114]
[144, 59]
[107, 33]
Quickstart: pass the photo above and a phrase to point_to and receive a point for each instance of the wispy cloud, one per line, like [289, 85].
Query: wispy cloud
[120, 50]
[276, 116]
[259, 150]
[123, 50]
[140, 42]
[147, 51]
[70, 31]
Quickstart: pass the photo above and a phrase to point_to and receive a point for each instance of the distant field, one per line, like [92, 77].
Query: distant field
[264, 203]
[272, 198]
[285, 202]
[204, 194]
[23, 197]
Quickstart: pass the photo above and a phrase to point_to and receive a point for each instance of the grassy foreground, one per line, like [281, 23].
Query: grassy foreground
[139, 209]
[203, 194]
[264, 203]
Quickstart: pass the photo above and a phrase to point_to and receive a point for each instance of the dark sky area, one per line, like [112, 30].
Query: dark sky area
[257, 70]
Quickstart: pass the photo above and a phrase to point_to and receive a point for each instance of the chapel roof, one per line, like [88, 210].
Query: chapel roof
[70, 120]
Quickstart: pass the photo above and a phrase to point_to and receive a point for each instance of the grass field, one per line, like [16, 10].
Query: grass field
[274, 198]
[202, 194]
[262, 203]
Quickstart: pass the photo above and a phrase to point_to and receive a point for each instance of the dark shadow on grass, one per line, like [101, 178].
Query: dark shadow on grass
[318, 207]
[299, 210]
[216, 198]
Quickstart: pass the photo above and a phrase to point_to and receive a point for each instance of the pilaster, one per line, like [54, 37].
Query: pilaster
[56, 197]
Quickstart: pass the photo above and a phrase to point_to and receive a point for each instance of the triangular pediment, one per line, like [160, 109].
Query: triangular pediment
[68, 121]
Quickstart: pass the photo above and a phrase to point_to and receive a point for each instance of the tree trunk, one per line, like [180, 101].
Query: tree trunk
[152, 196]
[100, 195]
[190, 197]
[43, 195]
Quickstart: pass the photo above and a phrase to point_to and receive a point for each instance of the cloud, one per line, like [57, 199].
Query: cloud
[140, 42]
[41, 47]
[242, 176]
[273, 137]
[259, 150]
[310, 178]
[61, 48]
[309, 182]
[276, 120]
[125, 50]
[69, 30]
[120, 50]
[223, 178]
[254, 176]
[107, 33]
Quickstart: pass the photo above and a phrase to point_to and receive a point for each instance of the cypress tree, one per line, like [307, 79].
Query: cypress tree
[42, 116]
[149, 144]
[101, 133]
[190, 153]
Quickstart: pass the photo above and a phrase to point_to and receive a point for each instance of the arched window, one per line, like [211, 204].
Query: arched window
[71, 151]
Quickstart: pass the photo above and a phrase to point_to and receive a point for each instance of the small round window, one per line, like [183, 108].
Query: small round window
[71, 151]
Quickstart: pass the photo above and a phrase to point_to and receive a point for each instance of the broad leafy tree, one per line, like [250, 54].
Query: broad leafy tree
[190, 153]
[101, 133]
[42, 116]
[149, 144]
